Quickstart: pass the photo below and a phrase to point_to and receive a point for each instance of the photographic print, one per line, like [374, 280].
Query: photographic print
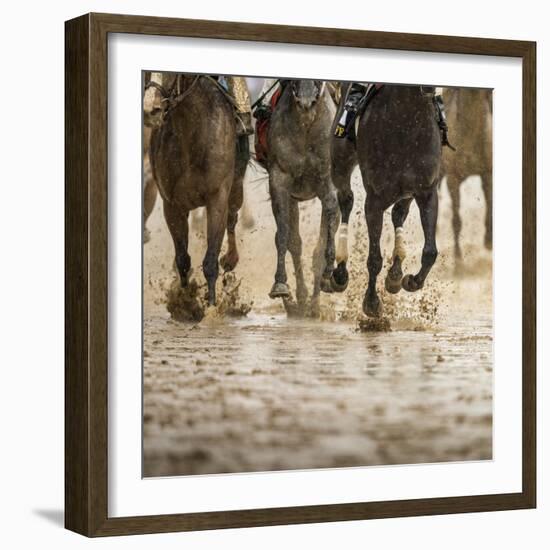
[317, 274]
[304, 288]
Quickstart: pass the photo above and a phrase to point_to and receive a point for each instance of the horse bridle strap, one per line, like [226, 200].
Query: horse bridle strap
[159, 87]
[172, 97]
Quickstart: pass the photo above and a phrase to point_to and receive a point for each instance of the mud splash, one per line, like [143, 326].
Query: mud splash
[381, 324]
[190, 303]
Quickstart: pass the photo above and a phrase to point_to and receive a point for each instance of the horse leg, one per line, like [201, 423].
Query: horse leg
[295, 249]
[399, 214]
[280, 200]
[428, 206]
[177, 222]
[216, 220]
[487, 185]
[150, 192]
[453, 184]
[340, 277]
[329, 206]
[374, 214]
[230, 259]
[318, 264]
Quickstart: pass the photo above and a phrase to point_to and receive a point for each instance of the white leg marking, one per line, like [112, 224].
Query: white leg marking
[399, 245]
[342, 244]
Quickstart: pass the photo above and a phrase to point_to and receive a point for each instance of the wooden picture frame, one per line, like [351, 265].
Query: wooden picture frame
[86, 281]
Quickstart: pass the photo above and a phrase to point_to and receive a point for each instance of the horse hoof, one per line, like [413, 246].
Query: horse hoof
[279, 290]
[337, 287]
[409, 284]
[326, 285]
[393, 285]
[228, 263]
[340, 278]
[372, 309]
[394, 277]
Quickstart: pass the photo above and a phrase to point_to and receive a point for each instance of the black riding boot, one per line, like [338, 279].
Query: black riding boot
[351, 107]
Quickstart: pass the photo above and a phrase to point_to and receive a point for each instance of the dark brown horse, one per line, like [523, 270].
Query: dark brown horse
[469, 115]
[197, 161]
[398, 148]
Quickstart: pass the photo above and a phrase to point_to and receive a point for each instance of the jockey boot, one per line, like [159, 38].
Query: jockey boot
[238, 89]
[351, 108]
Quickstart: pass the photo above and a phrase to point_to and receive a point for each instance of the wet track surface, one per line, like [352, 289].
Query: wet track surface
[268, 393]
[265, 392]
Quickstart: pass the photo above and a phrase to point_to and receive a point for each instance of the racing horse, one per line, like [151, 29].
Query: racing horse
[197, 160]
[152, 101]
[298, 164]
[398, 149]
[469, 114]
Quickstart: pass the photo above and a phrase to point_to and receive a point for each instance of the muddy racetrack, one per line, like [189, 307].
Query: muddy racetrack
[263, 392]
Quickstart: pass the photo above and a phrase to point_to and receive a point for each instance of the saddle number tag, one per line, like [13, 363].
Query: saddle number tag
[339, 131]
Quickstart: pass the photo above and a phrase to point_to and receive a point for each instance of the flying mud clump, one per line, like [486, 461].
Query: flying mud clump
[190, 304]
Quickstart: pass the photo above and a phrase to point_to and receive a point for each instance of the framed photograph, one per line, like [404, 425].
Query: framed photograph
[300, 275]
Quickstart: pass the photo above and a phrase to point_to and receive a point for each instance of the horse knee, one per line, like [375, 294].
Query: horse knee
[331, 202]
[345, 201]
[281, 239]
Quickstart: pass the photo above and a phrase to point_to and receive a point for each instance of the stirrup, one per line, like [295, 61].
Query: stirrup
[355, 102]
[244, 124]
[346, 121]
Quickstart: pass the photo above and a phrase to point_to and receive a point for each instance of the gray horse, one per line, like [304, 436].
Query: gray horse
[398, 148]
[298, 140]
[197, 161]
